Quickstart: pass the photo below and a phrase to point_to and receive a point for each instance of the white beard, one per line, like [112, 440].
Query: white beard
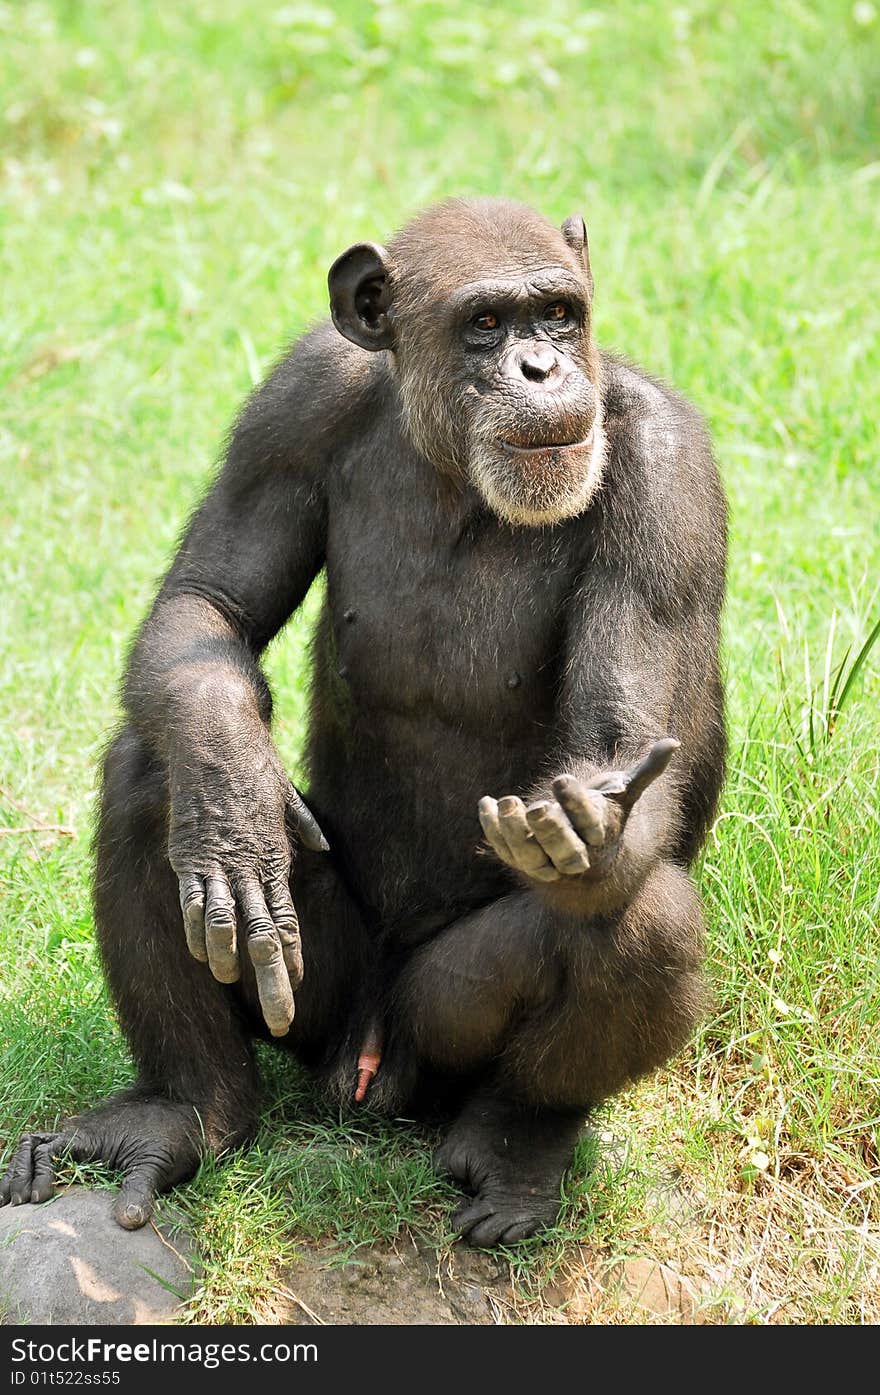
[537, 502]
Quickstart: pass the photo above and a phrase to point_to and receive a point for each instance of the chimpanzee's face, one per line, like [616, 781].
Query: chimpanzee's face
[485, 307]
[522, 378]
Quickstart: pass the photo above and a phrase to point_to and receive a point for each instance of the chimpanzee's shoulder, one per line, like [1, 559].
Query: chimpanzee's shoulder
[662, 497]
[654, 412]
[657, 439]
[319, 385]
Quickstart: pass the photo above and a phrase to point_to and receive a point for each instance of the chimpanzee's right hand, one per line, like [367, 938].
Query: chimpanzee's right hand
[231, 808]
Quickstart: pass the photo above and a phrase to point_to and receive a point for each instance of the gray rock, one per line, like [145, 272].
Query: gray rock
[67, 1261]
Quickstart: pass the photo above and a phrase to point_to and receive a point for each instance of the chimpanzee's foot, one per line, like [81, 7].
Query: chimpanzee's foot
[512, 1159]
[154, 1142]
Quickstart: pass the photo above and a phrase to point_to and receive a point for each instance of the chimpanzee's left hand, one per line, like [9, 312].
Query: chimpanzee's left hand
[580, 832]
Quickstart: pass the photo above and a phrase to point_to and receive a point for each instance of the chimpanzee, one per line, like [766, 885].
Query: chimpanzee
[524, 545]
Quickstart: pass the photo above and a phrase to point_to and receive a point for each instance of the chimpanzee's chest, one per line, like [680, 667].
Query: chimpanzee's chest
[437, 608]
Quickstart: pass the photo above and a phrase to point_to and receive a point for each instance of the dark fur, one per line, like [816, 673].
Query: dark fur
[457, 655]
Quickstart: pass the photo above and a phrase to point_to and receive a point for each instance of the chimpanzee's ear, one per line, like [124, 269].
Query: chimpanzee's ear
[360, 295]
[574, 230]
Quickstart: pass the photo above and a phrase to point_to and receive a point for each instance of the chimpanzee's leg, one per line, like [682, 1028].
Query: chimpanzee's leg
[559, 1013]
[190, 1036]
[197, 1083]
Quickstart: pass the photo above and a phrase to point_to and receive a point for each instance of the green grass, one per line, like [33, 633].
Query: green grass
[174, 183]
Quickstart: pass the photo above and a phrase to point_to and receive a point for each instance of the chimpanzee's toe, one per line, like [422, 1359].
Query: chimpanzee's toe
[30, 1175]
[495, 1218]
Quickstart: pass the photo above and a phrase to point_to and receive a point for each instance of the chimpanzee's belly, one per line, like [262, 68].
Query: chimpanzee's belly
[437, 663]
[397, 793]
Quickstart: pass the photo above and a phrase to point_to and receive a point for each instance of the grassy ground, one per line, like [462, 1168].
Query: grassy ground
[174, 182]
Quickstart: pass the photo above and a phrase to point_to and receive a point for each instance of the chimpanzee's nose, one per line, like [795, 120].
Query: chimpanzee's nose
[538, 363]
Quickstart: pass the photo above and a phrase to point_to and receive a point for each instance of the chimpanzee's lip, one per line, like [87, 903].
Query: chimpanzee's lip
[541, 449]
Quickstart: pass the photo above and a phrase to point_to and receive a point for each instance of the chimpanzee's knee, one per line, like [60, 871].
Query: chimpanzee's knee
[460, 994]
[631, 993]
[564, 1012]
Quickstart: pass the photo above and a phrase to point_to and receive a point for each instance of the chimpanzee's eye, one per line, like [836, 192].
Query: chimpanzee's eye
[560, 311]
[485, 321]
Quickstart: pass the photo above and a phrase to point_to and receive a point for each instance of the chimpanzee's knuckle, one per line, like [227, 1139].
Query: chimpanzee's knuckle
[263, 945]
[277, 889]
[275, 867]
[567, 786]
[544, 843]
[259, 925]
[220, 919]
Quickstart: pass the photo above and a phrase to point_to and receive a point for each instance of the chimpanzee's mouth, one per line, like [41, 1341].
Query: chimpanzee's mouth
[541, 448]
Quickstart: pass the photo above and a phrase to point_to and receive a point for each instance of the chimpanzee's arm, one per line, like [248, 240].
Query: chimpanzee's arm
[247, 558]
[194, 689]
[640, 671]
[590, 834]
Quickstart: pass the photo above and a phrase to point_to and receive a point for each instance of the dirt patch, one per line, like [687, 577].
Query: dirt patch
[409, 1283]
[404, 1285]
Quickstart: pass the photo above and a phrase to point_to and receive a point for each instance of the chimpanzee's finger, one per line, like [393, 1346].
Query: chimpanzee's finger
[527, 852]
[192, 903]
[304, 822]
[44, 1155]
[502, 1229]
[647, 771]
[471, 1214]
[491, 826]
[30, 1170]
[133, 1206]
[585, 809]
[281, 908]
[264, 948]
[553, 831]
[220, 937]
[22, 1170]
[521, 1229]
[15, 1186]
